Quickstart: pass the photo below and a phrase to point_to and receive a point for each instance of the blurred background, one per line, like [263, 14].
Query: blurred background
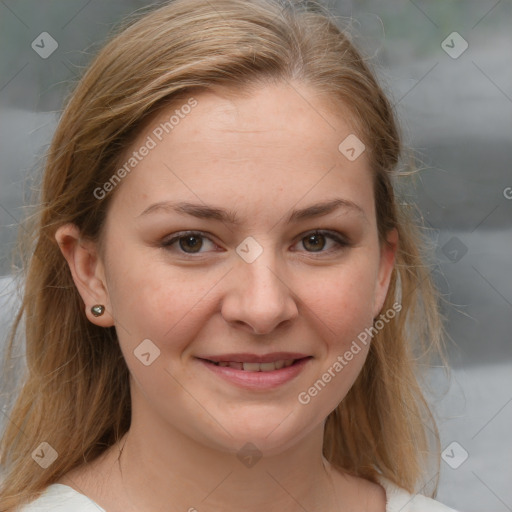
[447, 65]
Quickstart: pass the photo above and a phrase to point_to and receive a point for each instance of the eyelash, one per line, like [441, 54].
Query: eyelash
[333, 235]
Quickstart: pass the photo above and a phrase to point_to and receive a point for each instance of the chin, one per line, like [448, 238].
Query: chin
[268, 434]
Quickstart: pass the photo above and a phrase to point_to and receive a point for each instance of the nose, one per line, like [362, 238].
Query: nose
[258, 299]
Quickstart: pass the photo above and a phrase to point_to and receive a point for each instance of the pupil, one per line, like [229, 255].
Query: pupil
[191, 242]
[314, 241]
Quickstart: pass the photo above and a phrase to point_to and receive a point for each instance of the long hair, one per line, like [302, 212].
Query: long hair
[75, 393]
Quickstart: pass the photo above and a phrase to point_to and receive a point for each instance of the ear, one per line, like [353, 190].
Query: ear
[87, 270]
[386, 265]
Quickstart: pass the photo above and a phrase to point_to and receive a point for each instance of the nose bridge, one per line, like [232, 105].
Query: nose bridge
[259, 296]
[263, 279]
[260, 280]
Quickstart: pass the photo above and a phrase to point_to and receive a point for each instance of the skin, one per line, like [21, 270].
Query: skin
[261, 155]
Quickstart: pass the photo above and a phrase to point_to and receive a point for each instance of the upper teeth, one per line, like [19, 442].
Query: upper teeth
[258, 367]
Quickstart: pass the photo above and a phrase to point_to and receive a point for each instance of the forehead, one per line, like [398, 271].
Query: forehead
[226, 144]
[295, 109]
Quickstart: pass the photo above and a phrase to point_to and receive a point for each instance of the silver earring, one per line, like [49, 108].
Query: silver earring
[98, 310]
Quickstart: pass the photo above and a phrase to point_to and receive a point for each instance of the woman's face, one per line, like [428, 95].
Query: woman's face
[216, 280]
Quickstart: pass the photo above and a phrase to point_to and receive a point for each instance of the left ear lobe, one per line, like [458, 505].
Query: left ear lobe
[386, 266]
[87, 271]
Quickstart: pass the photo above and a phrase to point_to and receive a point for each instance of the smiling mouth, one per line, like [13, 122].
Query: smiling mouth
[257, 367]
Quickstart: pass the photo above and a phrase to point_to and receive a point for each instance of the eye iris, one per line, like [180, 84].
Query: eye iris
[191, 242]
[317, 242]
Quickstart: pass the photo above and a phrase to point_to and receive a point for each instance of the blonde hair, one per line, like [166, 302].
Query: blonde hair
[75, 394]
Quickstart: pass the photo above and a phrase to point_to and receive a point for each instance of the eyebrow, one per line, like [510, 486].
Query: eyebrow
[203, 211]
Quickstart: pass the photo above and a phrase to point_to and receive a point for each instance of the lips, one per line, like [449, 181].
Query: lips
[256, 372]
[254, 362]
[257, 367]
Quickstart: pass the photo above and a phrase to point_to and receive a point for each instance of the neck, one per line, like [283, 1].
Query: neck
[159, 467]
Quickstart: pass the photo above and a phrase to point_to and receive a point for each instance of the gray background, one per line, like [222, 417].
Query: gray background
[457, 115]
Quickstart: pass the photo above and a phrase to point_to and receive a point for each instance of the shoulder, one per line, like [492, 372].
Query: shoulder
[61, 498]
[399, 500]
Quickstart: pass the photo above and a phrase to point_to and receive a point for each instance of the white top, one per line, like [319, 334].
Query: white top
[62, 498]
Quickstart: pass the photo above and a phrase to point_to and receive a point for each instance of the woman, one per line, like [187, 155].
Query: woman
[223, 298]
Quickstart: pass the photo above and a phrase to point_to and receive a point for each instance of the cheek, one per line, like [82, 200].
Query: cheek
[159, 302]
[169, 308]
[342, 299]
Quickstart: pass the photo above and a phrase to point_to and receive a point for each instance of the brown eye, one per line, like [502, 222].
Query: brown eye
[314, 242]
[188, 243]
[323, 242]
[191, 243]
